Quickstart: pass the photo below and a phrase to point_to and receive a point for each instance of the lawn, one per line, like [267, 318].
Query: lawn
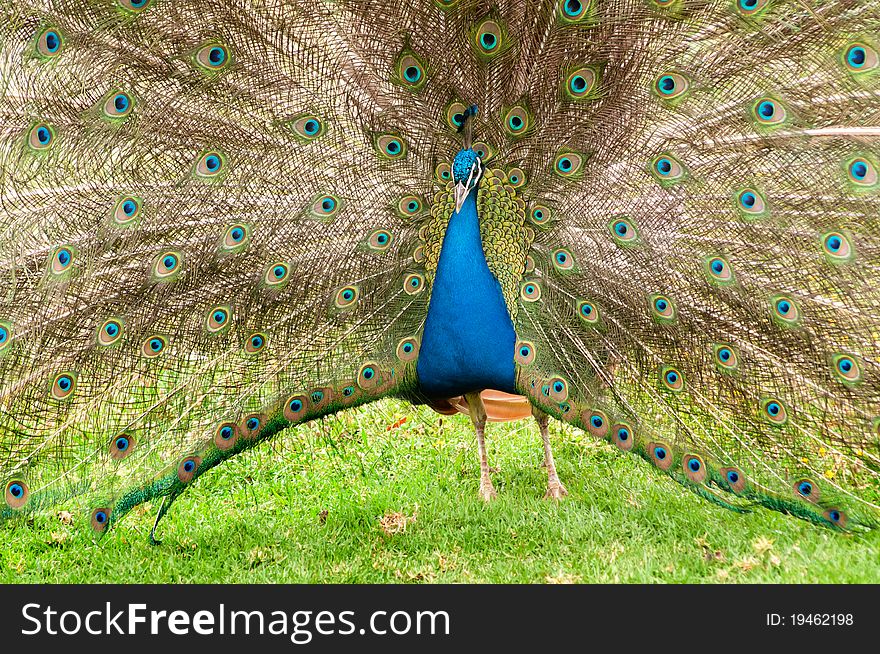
[360, 498]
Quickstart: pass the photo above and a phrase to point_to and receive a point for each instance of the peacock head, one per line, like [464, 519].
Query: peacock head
[467, 169]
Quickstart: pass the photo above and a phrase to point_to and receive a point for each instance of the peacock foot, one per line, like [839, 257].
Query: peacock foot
[487, 490]
[555, 490]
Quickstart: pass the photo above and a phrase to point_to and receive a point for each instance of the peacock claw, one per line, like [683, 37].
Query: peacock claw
[555, 491]
[487, 490]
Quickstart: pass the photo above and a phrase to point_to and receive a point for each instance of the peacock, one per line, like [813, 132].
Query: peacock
[657, 221]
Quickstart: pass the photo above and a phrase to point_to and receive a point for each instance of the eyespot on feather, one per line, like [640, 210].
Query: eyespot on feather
[860, 58]
[167, 266]
[597, 423]
[63, 385]
[121, 446]
[134, 6]
[785, 311]
[671, 379]
[837, 247]
[769, 112]
[41, 137]
[725, 357]
[210, 165]
[251, 425]
[49, 43]
[661, 455]
[525, 353]
[530, 292]
[623, 436]
[588, 311]
[188, 468]
[623, 231]
[569, 165]
[225, 436]
[454, 114]
[558, 389]
[380, 240]
[17, 493]
[236, 237]
[127, 210]
[861, 172]
[413, 283]
[694, 468]
[212, 57]
[774, 411]
[325, 206]
[667, 170]
[562, 259]
[391, 146]
[516, 177]
[836, 517]
[61, 261]
[751, 8]
[276, 274]
[581, 83]
[751, 203]
[295, 408]
[734, 479]
[719, 271]
[410, 205]
[154, 346]
[307, 127]
[489, 39]
[347, 296]
[807, 489]
[110, 332]
[847, 368]
[671, 85]
[6, 333]
[517, 121]
[443, 173]
[408, 349]
[411, 72]
[118, 105]
[100, 518]
[218, 320]
[255, 343]
[662, 308]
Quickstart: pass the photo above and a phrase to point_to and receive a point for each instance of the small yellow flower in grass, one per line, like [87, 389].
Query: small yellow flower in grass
[822, 451]
[805, 460]
[829, 474]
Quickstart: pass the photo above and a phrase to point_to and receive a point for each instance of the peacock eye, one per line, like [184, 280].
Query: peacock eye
[568, 164]
[391, 146]
[671, 85]
[667, 169]
[517, 121]
[751, 202]
[751, 7]
[118, 105]
[49, 43]
[769, 112]
[325, 206]
[41, 136]
[308, 127]
[210, 164]
[134, 6]
[212, 57]
[110, 332]
[581, 82]
[126, 210]
[719, 270]
[347, 296]
[411, 71]
[862, 172]
[623, 231]
[153, 346]
[860, 58]
[573, 10]
[62, 259]
[489, 38]
[379, 240]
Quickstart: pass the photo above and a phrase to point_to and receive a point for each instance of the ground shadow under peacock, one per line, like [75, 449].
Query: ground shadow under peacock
[386, 493]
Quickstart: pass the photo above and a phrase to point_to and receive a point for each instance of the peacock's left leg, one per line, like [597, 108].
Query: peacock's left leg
[555, 489]
[478, 417]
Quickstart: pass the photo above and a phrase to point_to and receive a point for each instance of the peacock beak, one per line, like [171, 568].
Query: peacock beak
[461, 193]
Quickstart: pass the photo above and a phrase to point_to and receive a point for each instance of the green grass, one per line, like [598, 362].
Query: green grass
[309, 507]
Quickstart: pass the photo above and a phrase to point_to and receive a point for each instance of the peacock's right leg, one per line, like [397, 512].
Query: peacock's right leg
[478, 417]
[555, 489]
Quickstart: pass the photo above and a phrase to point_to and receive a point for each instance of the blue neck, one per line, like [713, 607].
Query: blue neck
[468, 343]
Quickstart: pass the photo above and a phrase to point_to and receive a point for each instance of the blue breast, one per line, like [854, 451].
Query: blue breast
[468, 343]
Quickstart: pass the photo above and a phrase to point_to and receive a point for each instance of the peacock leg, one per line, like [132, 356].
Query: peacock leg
[478, 417]
[555, 489]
